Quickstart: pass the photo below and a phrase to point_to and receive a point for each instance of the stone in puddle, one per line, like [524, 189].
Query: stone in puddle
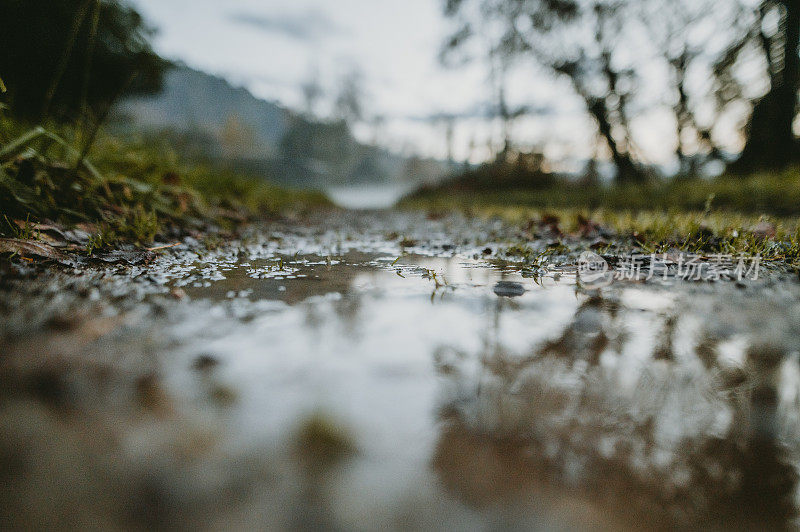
[508, 289]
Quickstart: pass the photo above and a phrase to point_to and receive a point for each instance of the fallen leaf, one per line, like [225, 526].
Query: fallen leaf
[32, 247]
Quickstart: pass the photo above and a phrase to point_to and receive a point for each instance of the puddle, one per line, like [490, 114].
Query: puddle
[476, 397]
[367, 196]
[431, 369]
[294, 279]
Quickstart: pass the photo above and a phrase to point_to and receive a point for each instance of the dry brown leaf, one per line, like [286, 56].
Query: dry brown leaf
[32, 247]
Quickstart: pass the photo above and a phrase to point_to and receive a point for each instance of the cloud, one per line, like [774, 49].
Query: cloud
[310, 26]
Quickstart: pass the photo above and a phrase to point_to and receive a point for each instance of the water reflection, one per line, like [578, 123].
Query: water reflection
[470, 394]
[604, 426]
[635, 405]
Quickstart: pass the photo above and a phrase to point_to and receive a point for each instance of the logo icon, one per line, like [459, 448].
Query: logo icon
[593, 271]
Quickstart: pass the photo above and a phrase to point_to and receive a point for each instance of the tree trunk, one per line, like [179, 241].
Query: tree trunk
[791, 81]
[626, 169]
[771, 143]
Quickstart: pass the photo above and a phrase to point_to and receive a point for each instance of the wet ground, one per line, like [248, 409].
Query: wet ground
[388, 371]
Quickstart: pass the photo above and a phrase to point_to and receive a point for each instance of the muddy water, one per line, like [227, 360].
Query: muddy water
[363, 385]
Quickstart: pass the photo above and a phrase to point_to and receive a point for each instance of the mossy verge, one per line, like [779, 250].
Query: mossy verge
[125, 193]
[775, 194]
[703, 232]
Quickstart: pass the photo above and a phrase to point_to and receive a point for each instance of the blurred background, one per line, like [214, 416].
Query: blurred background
[381, 98]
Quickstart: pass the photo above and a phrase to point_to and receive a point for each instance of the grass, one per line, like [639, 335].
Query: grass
[126, 191]
[728, 215]
[155, 162]
[776, 194]
[139, 192]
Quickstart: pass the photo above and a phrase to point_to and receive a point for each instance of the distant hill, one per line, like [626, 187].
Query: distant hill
[207, 117]
[198, 102]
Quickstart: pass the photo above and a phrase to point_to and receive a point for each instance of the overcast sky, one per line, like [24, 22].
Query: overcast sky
[272, 47]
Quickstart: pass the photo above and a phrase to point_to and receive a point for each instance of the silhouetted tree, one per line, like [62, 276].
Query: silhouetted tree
[499, 58]
[771, 142]
[61, 57]
[500, 63]
[378, 123]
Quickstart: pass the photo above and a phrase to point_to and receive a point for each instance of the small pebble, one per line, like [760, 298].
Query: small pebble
[508, 289]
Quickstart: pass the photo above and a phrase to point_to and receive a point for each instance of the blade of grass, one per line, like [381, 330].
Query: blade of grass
[87, 67]
[73, 152]
[80, 15]
[102, 118]
[22, 193]
[20, 143]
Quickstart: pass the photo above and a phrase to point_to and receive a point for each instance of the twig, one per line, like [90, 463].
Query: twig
[166, 246]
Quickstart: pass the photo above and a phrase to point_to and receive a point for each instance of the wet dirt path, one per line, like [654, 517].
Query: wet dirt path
[389, 371]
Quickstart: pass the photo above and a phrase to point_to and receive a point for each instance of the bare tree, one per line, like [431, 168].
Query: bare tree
[669, 28]
[606, 88]
[446, 121]
[500, 63]
[348, 105]
[499, 58]
[312, 93]
[554, 34]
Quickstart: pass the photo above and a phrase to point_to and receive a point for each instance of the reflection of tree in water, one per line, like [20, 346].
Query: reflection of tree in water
[348, 310]
[575, 426]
